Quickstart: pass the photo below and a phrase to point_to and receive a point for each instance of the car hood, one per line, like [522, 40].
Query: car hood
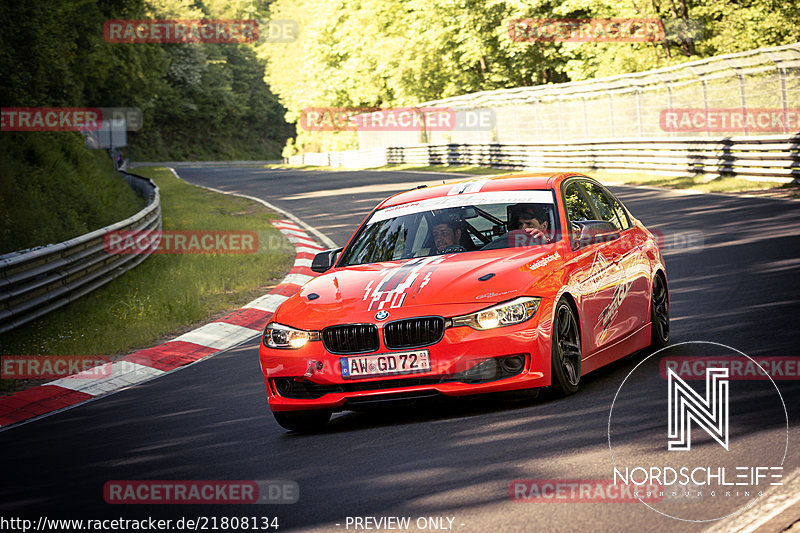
[462, 282]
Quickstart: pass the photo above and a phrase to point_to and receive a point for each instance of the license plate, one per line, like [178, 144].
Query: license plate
[383, 364]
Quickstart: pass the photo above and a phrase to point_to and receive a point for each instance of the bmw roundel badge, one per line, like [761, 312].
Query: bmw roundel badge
[381, 315]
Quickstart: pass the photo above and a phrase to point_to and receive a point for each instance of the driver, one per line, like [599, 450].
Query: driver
[446, 231]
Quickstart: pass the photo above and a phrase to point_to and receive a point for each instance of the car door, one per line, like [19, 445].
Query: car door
[595, 276]
[628, 270]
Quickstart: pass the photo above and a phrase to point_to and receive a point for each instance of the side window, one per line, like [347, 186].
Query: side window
[483, 224]
[575, 204]
[421, 236]
[602, 204]
[399, 238]
[621, 213]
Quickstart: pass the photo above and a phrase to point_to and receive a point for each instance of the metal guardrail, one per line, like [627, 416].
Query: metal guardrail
[203, 164]
[765, 158]
[35, 282]
[370, 158]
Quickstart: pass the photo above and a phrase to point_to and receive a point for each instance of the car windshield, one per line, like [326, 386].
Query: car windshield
[456, 224]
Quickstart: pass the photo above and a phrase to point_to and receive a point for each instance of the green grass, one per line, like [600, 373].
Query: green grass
[53, 189]
[167, 293]
[151, 145]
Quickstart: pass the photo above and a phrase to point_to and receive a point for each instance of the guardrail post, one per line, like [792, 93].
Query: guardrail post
[611, 112]
[784, 97]
[705, 104]
[743, 99]
[639, 111]
[585, 120]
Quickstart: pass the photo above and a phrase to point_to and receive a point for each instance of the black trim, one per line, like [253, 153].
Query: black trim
[345, 339]
[484, 372]
[413, 332]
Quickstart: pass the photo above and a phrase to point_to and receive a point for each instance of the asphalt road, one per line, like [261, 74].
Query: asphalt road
[452, 459]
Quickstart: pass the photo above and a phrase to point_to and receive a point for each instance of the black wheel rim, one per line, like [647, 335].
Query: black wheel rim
[569, 345]
[660, 309]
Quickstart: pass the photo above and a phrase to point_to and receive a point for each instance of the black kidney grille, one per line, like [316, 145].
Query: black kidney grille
[413, 332]
[350, 338]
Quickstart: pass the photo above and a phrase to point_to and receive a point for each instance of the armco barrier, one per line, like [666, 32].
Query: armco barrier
[370, 158]
[762, 158]
[35, 282]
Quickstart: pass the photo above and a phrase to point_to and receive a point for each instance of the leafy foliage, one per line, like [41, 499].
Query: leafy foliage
[199, 101]
[366, 53]
[62, 190]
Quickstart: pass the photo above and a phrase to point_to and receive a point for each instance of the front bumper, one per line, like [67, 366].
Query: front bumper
[461, 364]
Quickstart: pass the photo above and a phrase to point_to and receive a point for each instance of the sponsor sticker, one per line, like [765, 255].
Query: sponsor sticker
[538, 263]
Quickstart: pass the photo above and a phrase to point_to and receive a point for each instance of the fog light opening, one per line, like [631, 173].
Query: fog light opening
[283, 386]
[513, 364]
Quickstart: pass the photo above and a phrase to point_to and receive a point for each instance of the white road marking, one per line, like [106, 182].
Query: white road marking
[121, 374]
[218, 335]
[774, 501]
[268, 302]
[297, 279]
[321, 236]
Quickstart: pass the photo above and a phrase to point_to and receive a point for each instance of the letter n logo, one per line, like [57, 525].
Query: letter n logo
[686, 405]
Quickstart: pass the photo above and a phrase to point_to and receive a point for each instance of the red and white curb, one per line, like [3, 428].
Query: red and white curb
[232, 329]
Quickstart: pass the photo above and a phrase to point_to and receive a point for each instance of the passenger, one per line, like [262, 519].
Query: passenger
[530, 226]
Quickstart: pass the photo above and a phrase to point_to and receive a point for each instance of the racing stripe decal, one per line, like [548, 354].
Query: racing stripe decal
[394, 283]
[468, 187]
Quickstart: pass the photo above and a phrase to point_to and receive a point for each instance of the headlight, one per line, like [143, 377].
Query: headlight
[500, 315]
[280, 336]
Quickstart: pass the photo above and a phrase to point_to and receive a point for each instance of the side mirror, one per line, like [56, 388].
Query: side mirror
[468, 212]
[595, 231]
[323, 261]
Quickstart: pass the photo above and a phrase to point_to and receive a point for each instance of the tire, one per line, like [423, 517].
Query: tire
[565, 360]
[659, 314]
[303, 421]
